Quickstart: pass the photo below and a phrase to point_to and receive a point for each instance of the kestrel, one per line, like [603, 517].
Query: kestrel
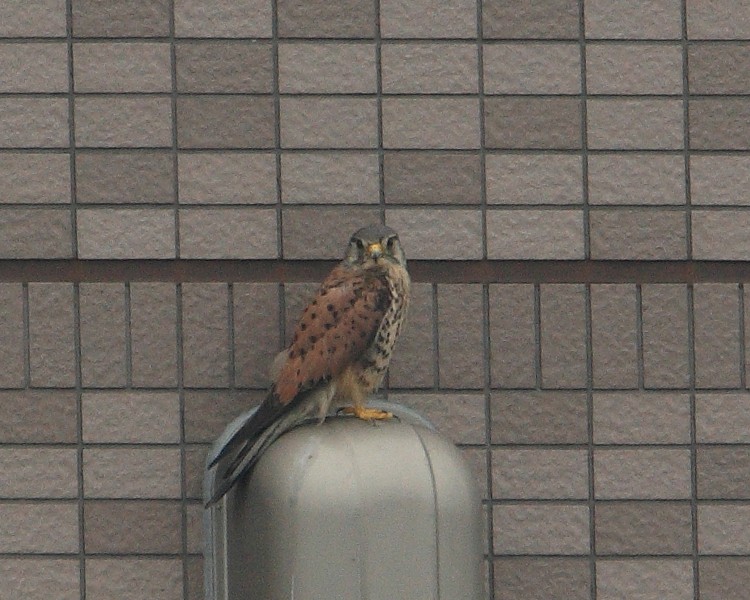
[340, 351]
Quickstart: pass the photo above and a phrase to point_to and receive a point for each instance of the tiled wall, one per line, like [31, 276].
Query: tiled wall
[607, 423]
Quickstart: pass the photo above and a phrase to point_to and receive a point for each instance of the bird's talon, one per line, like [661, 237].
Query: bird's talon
[367, 414]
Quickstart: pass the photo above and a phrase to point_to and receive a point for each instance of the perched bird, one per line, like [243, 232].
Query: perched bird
[339, 354]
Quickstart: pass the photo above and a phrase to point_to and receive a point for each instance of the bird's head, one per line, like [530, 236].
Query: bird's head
[373, 244]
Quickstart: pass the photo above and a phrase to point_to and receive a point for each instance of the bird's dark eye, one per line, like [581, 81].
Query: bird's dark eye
[391, 244]
[359, 243]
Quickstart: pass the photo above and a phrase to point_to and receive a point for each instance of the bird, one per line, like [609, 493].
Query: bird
[339, 353]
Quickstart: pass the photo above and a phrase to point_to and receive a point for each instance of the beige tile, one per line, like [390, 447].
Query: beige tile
[125, 18]
[532, 123]
[102, 331]
[563, 355]
[123, 121]
[131, 472]
[535, 234]
[530, 19]
[643, 473]
[641, 418]
[722, 472]
[635, 178]
[328, 122]
[420, 177]
[29, 178]
[228, 233]
[33, 67]
[539, 418]
[614, 336]
[39, 527]
[323, 68]
[458, 416]
[227, 178]
[716, 308]
[640, 19]
[430, 123]
[724, 578]
[224, 67]
[126, 233]
[534, 179]
[205, 324]
[330, 178]
[207, 413]
[541, 529]
[429, 68]
[153, 334]
[539, 473]
[40, 578]
[720, 19]
[723, 528]
[512, 335]
[414, 362]
[532, 68]
[645, 579]
[256, 310]
[721, 235]
[438, 234]
[38, 416]
[460, 335]
[131, 417]
[122, 67]
[37, 18]
[223, 18]
[12, 353]
[665, 336]
[542, 578]
[637, 68]
[327, 19]
[722, 418]
[335, 225]
[32, 121]
[719, 179]
[720, 123]
[635, 123]
[38, 472]
[719, 68]
[35, 233]
[51, 335]
[133, 578]
[638, 234]
[428, 18]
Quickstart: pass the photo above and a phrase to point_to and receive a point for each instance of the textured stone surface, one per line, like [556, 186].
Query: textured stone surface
[34, 178]
[723, 529]
[535, 234]
[722, 472]
[531, 473]
[33, 67]
[438, 233]
[40, 578]
[648, 473]
[430, 123]
[720, 179]
[37, 18]
[256, 331]
[539, 418]
[563, 354]
[33, 121]
[131, 472]
[428, 18]
[328, 122]
[722, 418]
[35, 233]
[720, 19]
[543, 123]
[334, 226]
[102, 324]
[12, 356]
[460, 335]
[635, 68]
[227, 66]
[414, 362]
[51, 335]
[222, 18]
[327, 68]
[720, 123]
[228, 233]
[530, 19]
[721, 235]
[548, 578]
[208, 412]
[153, 336]
[432, 177]
[614, 336]
[716, 310]
[205, 327]
[124, 18]
[125, 233]
[39, 472]
[641, 418]
[717, 68]
[36, 416]
[131, 417]
[534, 179]
[512, 335]
[665, 336]
[114, 121]
[459, 417]
[133, 578]
[638, 234]
[635, 123]
[227, 178]
[725, 578]
[124, 177]
[429, 68]
[640, 19]
[39, 527]
[122, 67]
[645, 579]
[225, 122]
[541, 528]
[330, 178]
[326, 18]
[532, 68]
[638, 179]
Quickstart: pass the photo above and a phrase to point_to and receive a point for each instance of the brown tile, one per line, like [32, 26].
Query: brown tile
[638, 234]
[476, 460]
[195, 589]
[28, 122]
[133, 578]
[39, 472]
[123, 121]
[121, 18]
[131, 417]
[649, 579]
[428, 19]
[330, 178]
[35, 233]
[665, 336]
[153, 334]
[720, 123]
[614, 336]
[126, 233]
[256, 332]
[532, 68]
[723, 472]
[635, 178]
[335, 225]
[642, 473]
[124, 177]
[723, 528]
[102, 323]
[512, 335]
[207, 413]
[425, 122]
[38, 18]
[205, 324]
[539, 418]
[414, 362]
[535, 234]
[717, 68]
[40, 578]
[429, 68]
[563, 313]
[641, 19]
[530, 19]
[719, 19]
[12, 354]
[459, 417]
[39, 527]
[534, 179]
[720, 235]
[225, 122]
[534, 528]
[460, 335]
[717, 335]
[35, 416]
[539, 473]
[195, 466]
[548, 578]
[630, 528]
[227, 178]
[335, 18]
[122, 67]
[224, 233]
[636, 68]
[131, 472]
[641, 418]
[206, 67]
[432, 178]
[635, 123]
[138, 527]
[51, 336]
[323, 68]
[328, 122]
[719, 179]
[194, 522]
[223, 18]
[544, 123]
[722, 418]
[28, 178]
[724, 578]
[33, 67]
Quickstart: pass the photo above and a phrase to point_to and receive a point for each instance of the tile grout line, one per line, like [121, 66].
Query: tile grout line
[128, 338]
[175, 140]
[584, 132]
[71, 129]
[686, 130]
[590, 439]
[79, 436]
[26, 312]
[276, 94]
[379, 103]
[232, 375]
[640, 366]
[690, 292]
[488, 516]
[482, 129]
[742, 335]
[537, 291]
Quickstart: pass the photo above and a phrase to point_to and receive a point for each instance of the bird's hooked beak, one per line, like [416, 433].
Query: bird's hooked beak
[375, 250]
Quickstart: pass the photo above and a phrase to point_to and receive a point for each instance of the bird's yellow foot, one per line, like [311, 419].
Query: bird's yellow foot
[367, 414]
